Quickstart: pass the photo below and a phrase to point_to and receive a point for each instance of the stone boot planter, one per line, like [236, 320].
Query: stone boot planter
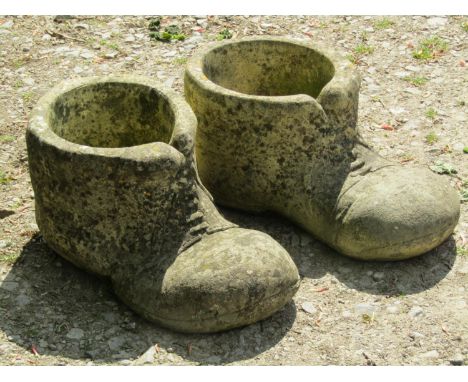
[117, 193]
[277, 131]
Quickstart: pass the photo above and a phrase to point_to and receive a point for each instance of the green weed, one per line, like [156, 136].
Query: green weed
[171, 32]
[7, 138]
[431, 138]
[416, 81]
[440, 167]
[4, 178]
[180, 61]
[27, 96]
[464, 192]
[110, 44]
[363, 49]
[430, 48]
[384, 23]
[368, 319]
[18, 84]
[359, 51]
[224, 35]
[405, 158]
[431, 113]
[9, 258]
[18, 63]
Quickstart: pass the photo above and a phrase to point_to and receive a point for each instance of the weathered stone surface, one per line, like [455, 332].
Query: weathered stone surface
[117, 193]
[277, 132]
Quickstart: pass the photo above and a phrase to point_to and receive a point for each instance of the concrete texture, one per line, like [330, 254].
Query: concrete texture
[277, 132]
[117, 193]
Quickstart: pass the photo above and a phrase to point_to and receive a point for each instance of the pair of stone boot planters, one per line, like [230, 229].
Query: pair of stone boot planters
[117, 190]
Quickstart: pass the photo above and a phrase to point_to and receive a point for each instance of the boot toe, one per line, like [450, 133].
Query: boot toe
[397, 213]
[228, 279]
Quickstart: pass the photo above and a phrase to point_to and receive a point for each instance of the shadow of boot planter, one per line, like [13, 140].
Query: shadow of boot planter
[117, 193]
[277, 131]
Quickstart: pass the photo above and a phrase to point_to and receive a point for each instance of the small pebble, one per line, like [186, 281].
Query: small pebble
[365, 308]
[457, 360]
[430, 354]
[171, 53]
[346, 314]
[436, 21]
[463, 269]
[116, 343]
[82, 26]
[43, 344]
[414, 335]
[171, 357]
[75, 334]
[29, 81]
[147, 356]
[9, 285]
[393, 309]
[87, 55]
[213, 359]
[377, 276]
[22, 300]
[4, 244]
[7, 24]
[308, 308]
[169, 82]
[344, 270]
[415, 311]
[111, 55]
[412, 68]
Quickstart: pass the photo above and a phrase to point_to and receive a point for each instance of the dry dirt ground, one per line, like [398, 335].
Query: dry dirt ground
[346, 312]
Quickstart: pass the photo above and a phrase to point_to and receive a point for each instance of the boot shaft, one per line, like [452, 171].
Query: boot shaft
[112, 168]
[267, 106]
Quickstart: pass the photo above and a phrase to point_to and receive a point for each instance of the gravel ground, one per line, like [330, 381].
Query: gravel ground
[346, 312]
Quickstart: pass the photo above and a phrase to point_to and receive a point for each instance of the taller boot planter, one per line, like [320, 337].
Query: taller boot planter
[117, 193]
[277, 131]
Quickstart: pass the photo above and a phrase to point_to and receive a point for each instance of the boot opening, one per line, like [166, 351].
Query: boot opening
[268, 68]
[112, 114]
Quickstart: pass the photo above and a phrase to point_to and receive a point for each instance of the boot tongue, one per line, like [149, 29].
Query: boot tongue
[367, 159]
[216, 222]
[204, 218]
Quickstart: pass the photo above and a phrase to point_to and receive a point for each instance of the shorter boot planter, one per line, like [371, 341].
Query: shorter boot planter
[117, 193]
[277, 131]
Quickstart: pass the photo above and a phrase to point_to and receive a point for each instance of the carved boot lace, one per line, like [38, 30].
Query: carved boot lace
[202, 215]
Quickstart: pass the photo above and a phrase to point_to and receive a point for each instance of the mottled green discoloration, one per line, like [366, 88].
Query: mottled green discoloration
[253, 68]
[117, 193]
[277, 131]
[112, 115]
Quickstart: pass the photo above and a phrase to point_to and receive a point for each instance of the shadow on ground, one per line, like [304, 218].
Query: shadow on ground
[48, 303]
[315, 260]
[63, 311]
